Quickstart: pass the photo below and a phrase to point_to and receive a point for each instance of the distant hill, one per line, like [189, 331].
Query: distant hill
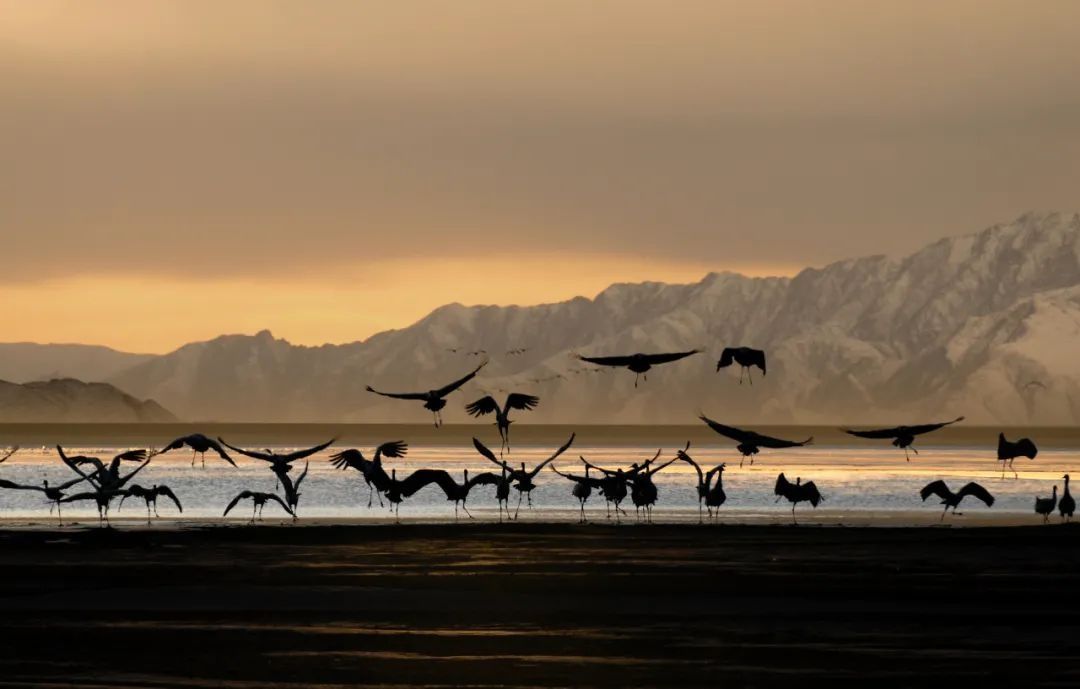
[21, 362]
[69, 400]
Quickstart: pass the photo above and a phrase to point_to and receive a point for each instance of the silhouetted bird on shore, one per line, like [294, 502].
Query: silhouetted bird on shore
[371, 469]
[54, 494]
[101, 497]
[258, 502]
[1007, 451]
[643, 491]
[953, 500]
[1045, 506]
[150, 496]
[638, 363]
[522, 478]
[459, 492]
[281, 465]
[749, 442]
[409, 486]
[1067, 504]
[199, 445]
[8, 454]
[615, 483]
[583, 487]
[106, 481]
[488, 405]
[903, 436]
[745, 357]
[712, 496]
[797, 492]
[432, 399]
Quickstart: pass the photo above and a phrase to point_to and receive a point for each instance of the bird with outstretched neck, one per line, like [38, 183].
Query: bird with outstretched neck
[434, 400]
[1067, 504]
[615, 484]
[709, 494]
[523, 479]
[953, 500]
[745, 357]
[281, 465]
[1045, 506]
[200, 445]
[583, 487]
[749, 442]
[903, 436]
[639, 363]
[372, 470]
[54, 494]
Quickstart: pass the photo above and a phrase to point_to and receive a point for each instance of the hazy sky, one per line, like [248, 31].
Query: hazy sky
[174, 170]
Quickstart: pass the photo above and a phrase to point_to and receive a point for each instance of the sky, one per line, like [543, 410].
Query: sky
[177, 170]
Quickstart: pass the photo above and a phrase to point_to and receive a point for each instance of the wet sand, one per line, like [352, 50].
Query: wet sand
[539, 605]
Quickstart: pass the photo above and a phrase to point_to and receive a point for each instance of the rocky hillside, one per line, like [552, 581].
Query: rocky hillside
[72, 401]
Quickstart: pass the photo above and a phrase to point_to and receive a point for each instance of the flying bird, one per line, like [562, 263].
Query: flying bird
[376, 478]
[524, 479]
[797, 492]
[281, 465]
[8, 454]
[750, 443]
[258, 502]
[1045, 506]
[1008, 450]
[488, 405]
[200, 445]
[953, 500]
[638, 363]
[433, 399]
[150, 496]
[711, 494]
[903, 436]
[1067, 504]
[745, 357]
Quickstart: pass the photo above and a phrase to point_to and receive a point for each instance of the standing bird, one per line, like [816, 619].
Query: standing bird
[1067, 504]
[7, 455]
[371, 469]
[745, 357]
[614, 485]
[750, 443]
[524, 479]
[712, 495]
[638, 363]
[199, 445]
[432, 399]
[488, 405]
[1008, 450]
[951, 499]
[643, 491]
[54, 494]
[583, 487]
[258, 502]
[409, 486]
[107, 483]
[1045, 506]
[150, 495]
[797, 492]
[903, 436]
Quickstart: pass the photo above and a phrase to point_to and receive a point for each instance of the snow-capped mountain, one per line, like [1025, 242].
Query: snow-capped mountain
[984, 325]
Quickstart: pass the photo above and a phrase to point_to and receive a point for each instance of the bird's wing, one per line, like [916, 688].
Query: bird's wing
[690, 460]
[727, 358]
[876, 434]
[423, 477]
[7, 455]
[300, 454]
[782, 485]
[302, 476]
[247, 453]
[654, 359]
[400, 395]
[602, 470]
[135, 471]
[975, 490]
[812, 493]
[485, 452]
[69, 484]
[607, 360]
[167, 492]
[175, 445]
[80, 496]
[552, 458]
[18, 486]
[349, 458]
[650, 472]
[240, 496]
[447, 389]
[394, 448]
[519, 400]
[736, 434]
[757, 358]
[484, 478]
[74, 466]
[131, 456]
[927, 427]
[278, 500]
[777, 443]
[216, 447]
[484, 405]
[937, 488]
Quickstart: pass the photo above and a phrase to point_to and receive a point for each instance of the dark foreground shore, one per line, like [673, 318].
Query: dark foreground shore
[540, 605]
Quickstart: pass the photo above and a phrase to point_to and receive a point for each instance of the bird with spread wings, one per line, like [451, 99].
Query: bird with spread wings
[951, 499]
[376, 478]
[524, 479]
[745, 357]
[200, 445]
[750, 443]
[434, 400]
[903, 436]
[488, 405]
[639, 363]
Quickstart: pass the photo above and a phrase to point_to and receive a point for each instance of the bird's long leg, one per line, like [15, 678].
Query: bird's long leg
[943, 513]
[741, 461]
[370, 495]
[467, 511]
[1015, 475]
[699, 517]
[193, 453]
[608, 504]
[59, 518]
[455, 512]
[529, 500]
[518, 509]
[203, 460]
[907, 456]
[793, 519]
[750, 375]
[740, 375]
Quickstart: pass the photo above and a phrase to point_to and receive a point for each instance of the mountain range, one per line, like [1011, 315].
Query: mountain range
[985, 325]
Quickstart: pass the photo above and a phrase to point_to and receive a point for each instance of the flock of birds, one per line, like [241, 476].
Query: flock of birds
[103, 483]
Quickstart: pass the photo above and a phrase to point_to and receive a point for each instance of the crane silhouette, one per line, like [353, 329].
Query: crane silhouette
[8, 454]
[953, 500]
[1045, 506]
[200, 445]
[433, 399]
[488, 405]
[745, 357]
[397, 490]
[643, 491]
[797, 492]
[523, 479]
[1007, 451]
[711, 495]
[614, 484]
[749, 442]
[106, 481]
[281, 465]
[583, 487]
[372, 470]
[639, 363]
[150, 496]
[258, 502]
[903, 436]
[54, 494]
[1067, 504]
[459, 492]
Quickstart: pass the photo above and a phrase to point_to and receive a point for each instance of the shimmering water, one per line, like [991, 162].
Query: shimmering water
[857, 478]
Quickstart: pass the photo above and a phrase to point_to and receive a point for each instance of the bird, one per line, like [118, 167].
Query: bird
[1045, 506]
[54, 494]
[8, 454]
[488, 405]
[797, 492]
[459, 492]
[638, 363]
[150, 495]
[106, 482]
[1067, 504]
[750, 443]
[371, 469]
[1008, 450]
[258, 502]
[397, 490]
[614, 483]
[903, 436]
[745, 357]
[200, 445]
[103, 497]
[643, 491]
[712, 495]
[523, 479]
[953, 500]
[433, 399]
[583, 487]
[281, 465]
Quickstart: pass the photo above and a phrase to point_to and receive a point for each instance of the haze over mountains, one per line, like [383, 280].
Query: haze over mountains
[984, 325]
